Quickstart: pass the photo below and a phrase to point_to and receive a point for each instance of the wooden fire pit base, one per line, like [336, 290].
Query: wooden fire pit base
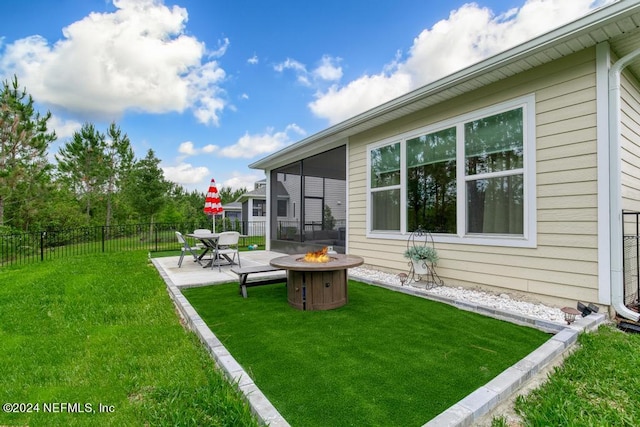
[317, 286]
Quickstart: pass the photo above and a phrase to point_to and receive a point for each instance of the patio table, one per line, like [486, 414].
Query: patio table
[210, 242]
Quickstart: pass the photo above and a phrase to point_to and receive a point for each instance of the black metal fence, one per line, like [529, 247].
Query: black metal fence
[27, 247]
[631, 258]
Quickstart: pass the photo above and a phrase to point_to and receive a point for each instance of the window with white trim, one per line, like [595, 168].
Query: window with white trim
[431, 181]
[494, 172]
[259, 207]
[385, 187]
[471, 178]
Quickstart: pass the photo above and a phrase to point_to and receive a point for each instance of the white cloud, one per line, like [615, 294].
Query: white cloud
[341, 102]
[249, 146]
[64, 128]
[328, 69]
[253, 60]
[209, 148]
[135, 58]
[470, 34]
[238, 180]
[300, 70]
[186, 174]
[290, 64]
[187, 148]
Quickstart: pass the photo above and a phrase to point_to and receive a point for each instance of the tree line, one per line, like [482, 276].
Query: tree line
[94, 180]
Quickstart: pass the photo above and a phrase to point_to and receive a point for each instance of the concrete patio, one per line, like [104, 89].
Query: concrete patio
[192, 274]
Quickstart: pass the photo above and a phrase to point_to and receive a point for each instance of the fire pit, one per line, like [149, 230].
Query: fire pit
[317, 284]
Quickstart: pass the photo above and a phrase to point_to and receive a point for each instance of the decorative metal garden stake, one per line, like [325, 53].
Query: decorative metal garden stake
[570, 314]
[403, 278]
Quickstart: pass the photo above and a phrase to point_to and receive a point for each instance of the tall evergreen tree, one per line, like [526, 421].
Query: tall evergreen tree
[146, 187]
[24, 140]
[228, 195]
[83, 165]
[119, 160]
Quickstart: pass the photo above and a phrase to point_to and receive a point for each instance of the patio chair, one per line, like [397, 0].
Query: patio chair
[186, 248]
[227, 244]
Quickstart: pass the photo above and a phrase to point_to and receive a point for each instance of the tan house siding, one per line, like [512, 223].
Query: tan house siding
[630, 153]
[563, 266]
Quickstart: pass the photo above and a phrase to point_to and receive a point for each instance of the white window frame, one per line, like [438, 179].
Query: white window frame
[403, 164]
[527, 239]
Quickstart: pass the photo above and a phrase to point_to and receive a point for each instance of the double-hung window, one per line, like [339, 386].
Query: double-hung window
[470, 179]
[385, 187]
[259, 207]
[431, 181]
[494, 174]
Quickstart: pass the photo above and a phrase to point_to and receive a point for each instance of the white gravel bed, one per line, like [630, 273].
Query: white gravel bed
[487, 299]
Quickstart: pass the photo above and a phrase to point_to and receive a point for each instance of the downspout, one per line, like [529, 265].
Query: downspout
[615, 188]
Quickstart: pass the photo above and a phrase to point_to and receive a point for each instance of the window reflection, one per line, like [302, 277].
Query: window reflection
[431, 182]
[494, 143]
[385, 166]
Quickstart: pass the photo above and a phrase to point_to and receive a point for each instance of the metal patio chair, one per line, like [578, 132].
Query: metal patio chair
[186, 248]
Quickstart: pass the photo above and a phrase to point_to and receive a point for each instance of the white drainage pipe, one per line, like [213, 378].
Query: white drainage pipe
[615, 189]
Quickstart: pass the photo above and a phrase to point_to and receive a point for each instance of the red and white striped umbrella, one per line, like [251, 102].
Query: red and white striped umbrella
[212, 203]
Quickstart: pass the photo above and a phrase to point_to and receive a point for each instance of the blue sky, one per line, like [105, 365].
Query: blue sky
[212, 86]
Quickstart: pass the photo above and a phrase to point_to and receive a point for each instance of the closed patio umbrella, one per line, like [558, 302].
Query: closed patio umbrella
[212, 203]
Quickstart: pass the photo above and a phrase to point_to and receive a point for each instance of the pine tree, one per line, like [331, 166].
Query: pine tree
[83, 165]
[146, 187]
[24, 140]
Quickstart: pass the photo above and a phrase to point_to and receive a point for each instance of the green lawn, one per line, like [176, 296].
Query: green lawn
[80, 332]
[596, 386]
[385, 358]
[101, 329]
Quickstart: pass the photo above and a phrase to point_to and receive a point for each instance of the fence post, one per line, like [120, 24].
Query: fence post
[42, 236]
[155, 228]
[637, 256]
[103, 234]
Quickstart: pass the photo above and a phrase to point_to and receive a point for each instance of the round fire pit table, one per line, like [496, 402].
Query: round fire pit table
[317, 285]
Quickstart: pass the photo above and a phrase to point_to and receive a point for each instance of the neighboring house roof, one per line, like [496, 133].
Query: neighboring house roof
[258, 193]
[617, 23]
[233, 206]
[261, 193]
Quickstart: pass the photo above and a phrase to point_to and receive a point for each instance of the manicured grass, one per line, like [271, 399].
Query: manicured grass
[596, 386]
[383, 359]
[101, 329]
